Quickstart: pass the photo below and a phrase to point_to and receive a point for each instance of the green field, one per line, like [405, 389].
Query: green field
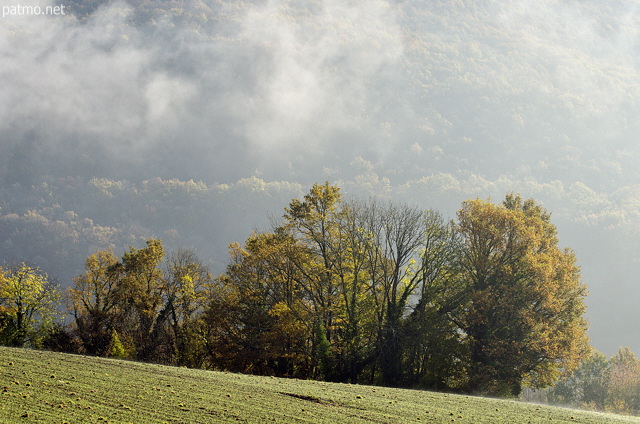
[45, 387]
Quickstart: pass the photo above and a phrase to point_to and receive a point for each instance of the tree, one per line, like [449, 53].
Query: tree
[185, 284]
[523, 315]
[396, 271]
[432, 346]
[28, 305]
[256, 315]
[312, 222]
[602, 384]
[302, 292]
[140, 294]
[96, 302]
[369, 292]
[356, 333]
[155, 314]
[116, 348]
[623, 382]
[586, 386]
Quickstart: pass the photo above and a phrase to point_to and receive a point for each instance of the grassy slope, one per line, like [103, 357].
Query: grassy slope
[45, 387]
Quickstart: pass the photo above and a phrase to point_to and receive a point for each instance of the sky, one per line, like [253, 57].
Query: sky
[429, 103]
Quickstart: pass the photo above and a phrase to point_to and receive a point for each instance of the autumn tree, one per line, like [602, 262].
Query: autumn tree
[186, 282]
[257, 318]
[623, 382]
[602, 384]
[358, 267]
[306, 291]
[386, 293]
[313, 221]
[140, 293]
[339, 244]
[523, 314]
[356, 341]
[96, 302]
[28, 305]
[153, 313]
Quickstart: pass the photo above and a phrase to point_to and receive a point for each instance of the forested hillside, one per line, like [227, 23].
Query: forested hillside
[104, 213]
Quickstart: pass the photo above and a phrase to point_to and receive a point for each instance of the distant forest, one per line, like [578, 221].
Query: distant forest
[102, 214]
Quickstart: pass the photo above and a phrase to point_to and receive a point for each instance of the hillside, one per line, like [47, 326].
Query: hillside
[45, 387]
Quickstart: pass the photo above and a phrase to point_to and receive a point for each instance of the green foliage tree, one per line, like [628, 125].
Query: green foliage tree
[28, 305]
[322, 351]
[587, 386]
[116, 348]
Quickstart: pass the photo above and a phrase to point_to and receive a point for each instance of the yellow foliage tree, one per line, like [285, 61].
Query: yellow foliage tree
[29, 302]
[95, 302]
[524, 315]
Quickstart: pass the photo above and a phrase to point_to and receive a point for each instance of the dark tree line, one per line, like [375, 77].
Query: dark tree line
[351, 291]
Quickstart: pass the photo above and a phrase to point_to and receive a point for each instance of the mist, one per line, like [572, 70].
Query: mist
[429, 103]
[264, 91]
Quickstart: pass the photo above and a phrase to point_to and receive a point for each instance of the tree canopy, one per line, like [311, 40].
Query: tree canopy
[523, 318]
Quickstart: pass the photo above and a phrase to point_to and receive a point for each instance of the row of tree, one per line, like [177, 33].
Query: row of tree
[369, 292]
[352, 291]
